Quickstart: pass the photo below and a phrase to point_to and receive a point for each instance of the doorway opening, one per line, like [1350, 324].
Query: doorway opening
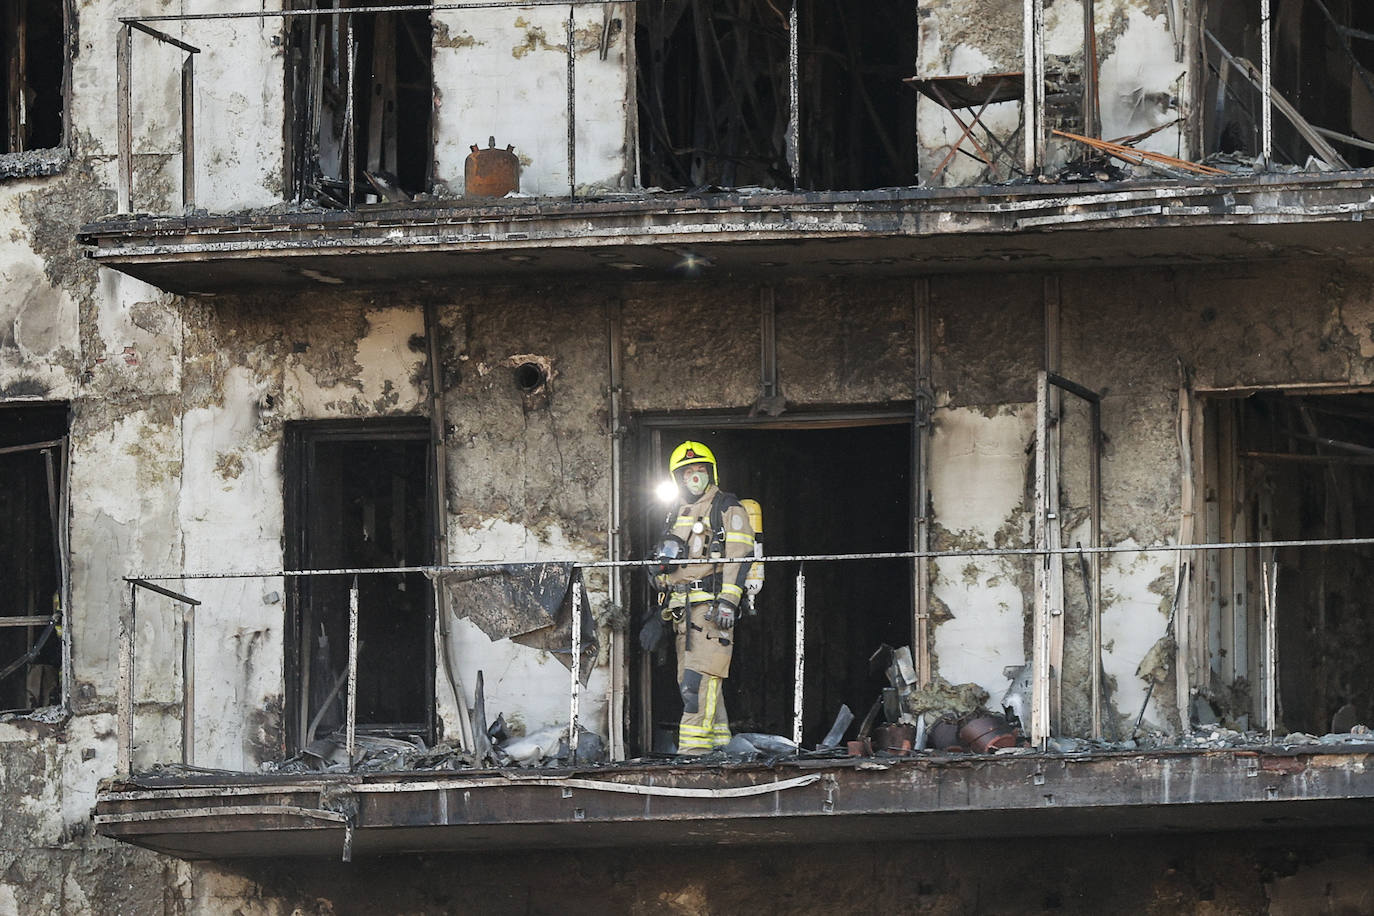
[33, 555]
[359, 495]
[1292, 466]
[825, 487]
[391, 105]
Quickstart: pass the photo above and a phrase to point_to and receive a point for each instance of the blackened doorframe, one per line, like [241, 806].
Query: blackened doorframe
[360, 494]
[658, 433]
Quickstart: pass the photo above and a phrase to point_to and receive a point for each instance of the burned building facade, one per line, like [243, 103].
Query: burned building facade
[1043, 332]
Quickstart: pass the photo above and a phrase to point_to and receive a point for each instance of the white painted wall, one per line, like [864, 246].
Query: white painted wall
[1138, 68]
[505, 75]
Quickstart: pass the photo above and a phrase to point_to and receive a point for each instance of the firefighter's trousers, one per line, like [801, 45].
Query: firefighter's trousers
[702, 666]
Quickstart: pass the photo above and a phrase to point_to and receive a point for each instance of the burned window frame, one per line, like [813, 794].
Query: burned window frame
[43, 629]
[756, 105]
[47, 160]
[300, 438]
[1250, 628]
[304, 175]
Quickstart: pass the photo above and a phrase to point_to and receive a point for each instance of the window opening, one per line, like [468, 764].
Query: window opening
[33, 456]
[1291, 467]
[34, 69]
[392, 104]
[822, 490]
[714, 94]
[1323, 58]
[360, 497]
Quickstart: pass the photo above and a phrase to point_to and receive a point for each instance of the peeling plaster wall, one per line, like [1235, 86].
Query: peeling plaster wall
[504, 74]
[1139, 73]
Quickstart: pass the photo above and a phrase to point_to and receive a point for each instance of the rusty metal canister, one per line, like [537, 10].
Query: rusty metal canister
[491, 172]
[986, 734]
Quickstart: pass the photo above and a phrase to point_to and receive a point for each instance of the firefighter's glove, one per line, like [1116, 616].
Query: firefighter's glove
[653, 633]
[725, 616]
[660, 583]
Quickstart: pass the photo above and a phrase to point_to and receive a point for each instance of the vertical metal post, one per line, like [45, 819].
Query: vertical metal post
[352, 726]
[1271, 600]
[619, 673]
[126, 684]
[124, 53]
[1095, 561]
[350, 129]
[575, 690]
[1033, 100]
[188, 132]
[799, 666]
[572, 102]
[1267, 76]
[188, 685]
[793, 136]
[925, 406]
[1040, 628]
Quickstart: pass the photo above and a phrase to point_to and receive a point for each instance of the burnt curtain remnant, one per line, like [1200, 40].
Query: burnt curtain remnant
[32, 555]
[715, 94]
[364, 128]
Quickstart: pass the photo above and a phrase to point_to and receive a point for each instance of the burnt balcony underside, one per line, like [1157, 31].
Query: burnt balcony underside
[810, 801]
[905, 231]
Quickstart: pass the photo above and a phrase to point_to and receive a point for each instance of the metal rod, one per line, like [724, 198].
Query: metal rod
[575, 688]
[160, 36]
[126, 684]
[572, 101]
[188, 132]
[1267, 89]
[165, 592]
[31, 446]
[790, 558]
[412, 8]
[188, 686]
[35, 620]
[350, 742]
[351, 135]
[799, 663]
[124, 50]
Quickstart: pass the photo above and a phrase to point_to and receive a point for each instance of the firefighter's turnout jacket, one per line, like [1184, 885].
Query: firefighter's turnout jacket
[715, 526]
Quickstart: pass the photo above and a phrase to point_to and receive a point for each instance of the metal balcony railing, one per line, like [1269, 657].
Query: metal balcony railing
[1040, 733]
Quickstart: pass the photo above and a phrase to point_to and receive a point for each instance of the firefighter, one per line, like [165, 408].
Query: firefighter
[702, 600]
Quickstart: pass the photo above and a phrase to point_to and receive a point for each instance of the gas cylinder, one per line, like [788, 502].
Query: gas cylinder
[491, 172]
[753, 582]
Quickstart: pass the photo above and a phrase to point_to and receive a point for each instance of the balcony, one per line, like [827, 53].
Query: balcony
[757, 235]
[1047, 786]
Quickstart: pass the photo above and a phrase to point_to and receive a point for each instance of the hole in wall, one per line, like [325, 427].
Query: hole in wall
[530, 377]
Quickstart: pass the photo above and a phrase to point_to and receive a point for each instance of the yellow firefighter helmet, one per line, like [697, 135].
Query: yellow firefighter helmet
[689, 453]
